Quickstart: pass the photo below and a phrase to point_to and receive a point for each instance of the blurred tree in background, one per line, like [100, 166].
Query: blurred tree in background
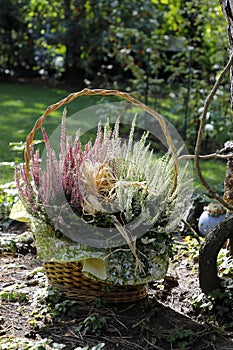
[162, 50]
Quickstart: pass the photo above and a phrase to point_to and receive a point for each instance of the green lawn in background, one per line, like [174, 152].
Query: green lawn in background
[214, 173]
[20, 107]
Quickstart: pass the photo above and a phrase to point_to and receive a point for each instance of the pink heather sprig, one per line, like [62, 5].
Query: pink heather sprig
[64, 175]
[53, 179]
[107, 145]
[19, 181]
[79, 158]
[45, 194]
[35, 170]
[68, 173]
[26, 190]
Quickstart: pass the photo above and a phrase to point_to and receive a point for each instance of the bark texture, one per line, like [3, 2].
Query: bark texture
[208, 271]
[228, 182]
[227, 8]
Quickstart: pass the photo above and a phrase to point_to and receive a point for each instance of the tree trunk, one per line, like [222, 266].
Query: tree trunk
[208, 271]
[227, 8]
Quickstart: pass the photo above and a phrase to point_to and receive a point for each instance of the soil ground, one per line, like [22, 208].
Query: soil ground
[35, 316]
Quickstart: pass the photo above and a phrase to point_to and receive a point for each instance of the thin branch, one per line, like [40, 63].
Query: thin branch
[201, 131]
[207, 156]
[193, 232]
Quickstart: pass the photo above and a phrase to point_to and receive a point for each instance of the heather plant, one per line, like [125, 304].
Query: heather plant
[105, 177]
[121, 192]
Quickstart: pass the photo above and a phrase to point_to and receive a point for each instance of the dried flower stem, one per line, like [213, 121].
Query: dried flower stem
[132, 245]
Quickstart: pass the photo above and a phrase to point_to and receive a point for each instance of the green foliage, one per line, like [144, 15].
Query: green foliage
[217, 305]
[13, 242]
[13, 296]
[95, 347]
[93, 324]
[130, 39]
[190, 251]
[66, 307]
[15, 42]
[225, 263]
[11, 343]
[8, 195]
[181, 337]
[53, 295]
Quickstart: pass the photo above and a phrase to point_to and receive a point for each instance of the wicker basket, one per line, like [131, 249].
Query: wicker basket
[68, 276]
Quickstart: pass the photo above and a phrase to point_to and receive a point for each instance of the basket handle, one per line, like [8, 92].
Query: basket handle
[102, 92]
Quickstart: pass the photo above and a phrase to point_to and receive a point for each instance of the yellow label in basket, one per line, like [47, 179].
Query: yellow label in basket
[18, 212]
[96, 267]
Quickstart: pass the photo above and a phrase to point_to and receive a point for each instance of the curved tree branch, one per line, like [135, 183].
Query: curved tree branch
[201, 131]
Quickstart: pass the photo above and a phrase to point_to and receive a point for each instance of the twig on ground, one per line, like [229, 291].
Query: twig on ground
[153, 346]
[122, 341]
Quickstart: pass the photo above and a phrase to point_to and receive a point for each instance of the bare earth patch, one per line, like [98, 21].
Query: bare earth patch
[35, 316]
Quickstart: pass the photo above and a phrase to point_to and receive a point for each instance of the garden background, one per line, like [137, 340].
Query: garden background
[167, 54]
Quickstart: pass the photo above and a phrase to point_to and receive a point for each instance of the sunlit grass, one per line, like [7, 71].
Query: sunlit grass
[20, 106]
[214, 173]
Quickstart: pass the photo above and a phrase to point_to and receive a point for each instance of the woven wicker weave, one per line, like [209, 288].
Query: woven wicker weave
[68, 276]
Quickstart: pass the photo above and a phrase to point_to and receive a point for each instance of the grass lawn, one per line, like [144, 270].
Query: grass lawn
[214, 173]
[21, 105]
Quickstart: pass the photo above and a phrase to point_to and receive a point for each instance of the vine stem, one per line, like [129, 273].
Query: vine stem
[201, 131]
